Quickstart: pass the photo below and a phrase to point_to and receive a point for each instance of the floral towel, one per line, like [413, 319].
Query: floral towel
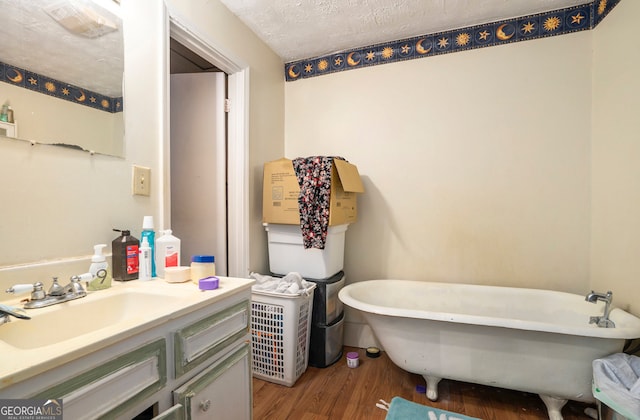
[314, 178]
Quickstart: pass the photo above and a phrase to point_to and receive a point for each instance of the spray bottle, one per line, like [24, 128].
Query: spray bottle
[145, 260]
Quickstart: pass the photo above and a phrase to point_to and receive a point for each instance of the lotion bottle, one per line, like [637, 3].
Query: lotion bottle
[99, 269]
[167, 252]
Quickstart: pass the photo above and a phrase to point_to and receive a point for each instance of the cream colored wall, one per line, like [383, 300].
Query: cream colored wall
[615, 261]
[475, 164]
[57, 203]
[266, 113]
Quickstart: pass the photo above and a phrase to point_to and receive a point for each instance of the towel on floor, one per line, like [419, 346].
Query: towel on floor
[314, 178]
[616, 382]
[291, 284]
[401, 409]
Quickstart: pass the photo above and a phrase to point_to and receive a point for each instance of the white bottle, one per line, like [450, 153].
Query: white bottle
[167, 252]
[98, 262]
[98, 277]
[144, 256]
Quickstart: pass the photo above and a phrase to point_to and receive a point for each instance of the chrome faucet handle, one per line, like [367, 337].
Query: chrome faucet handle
[75, 286]
[602, 322]
[56, 289]
[36, 289]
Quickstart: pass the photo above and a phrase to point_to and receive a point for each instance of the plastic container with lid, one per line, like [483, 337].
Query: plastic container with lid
[352, 359]
[202, 266]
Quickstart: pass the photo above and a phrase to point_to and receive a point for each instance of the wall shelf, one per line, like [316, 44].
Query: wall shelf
[9, 129]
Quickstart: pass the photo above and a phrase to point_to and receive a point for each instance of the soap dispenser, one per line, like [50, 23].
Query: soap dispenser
[99, 270]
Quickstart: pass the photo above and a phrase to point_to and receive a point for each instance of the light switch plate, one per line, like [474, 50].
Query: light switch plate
[141, 180]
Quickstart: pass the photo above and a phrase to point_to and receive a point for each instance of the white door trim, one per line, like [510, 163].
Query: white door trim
[184, 32]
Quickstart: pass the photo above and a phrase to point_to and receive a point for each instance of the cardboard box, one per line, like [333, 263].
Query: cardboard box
[280, 193]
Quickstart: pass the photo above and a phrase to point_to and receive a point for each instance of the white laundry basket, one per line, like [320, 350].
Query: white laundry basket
[280, 332]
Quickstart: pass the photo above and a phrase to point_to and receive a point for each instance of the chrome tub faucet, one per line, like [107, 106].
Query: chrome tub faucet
[602, 321]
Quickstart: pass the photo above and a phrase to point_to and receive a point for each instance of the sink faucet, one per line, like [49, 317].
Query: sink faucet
[56, 293]
[7, 311]
[602, 321]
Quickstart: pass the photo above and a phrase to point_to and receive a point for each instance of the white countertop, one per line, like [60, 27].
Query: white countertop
[179, 299]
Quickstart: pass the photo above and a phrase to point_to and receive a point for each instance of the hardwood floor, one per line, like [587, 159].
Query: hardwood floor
[339, 392]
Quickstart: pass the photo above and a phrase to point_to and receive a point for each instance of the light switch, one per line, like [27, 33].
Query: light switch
[141, 180]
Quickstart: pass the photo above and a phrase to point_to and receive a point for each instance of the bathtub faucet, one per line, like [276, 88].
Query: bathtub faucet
[602, 321]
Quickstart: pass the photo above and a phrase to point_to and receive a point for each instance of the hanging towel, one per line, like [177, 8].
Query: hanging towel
[314, 179]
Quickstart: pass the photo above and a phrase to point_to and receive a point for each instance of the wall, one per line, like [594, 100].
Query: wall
[58, 203]
[266, 113]
[615, 264]
[476, 165]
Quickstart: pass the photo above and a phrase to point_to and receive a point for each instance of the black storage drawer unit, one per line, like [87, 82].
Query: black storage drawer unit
[325, 345]
[326, 305]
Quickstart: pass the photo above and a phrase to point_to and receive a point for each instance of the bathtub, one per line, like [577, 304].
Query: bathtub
[529, 340]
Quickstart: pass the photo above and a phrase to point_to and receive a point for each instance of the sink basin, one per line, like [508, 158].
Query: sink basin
[75, 318]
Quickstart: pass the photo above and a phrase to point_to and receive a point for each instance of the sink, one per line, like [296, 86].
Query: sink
[64, 321]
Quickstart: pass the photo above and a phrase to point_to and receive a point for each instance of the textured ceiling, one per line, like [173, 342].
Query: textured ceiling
[298, 29]
[33, 40]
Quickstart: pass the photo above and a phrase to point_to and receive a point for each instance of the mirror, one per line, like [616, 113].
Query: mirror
[61, 69]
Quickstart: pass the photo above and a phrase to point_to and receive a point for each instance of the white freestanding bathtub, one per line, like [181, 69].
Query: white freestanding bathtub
[530, 340]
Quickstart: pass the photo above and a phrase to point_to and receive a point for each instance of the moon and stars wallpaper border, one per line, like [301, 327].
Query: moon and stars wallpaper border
[542, 25]
[36, 82]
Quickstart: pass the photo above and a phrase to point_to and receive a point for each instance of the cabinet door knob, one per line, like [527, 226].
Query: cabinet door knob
[204, 405]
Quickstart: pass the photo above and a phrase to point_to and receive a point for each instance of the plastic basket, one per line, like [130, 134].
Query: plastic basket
[280, 332]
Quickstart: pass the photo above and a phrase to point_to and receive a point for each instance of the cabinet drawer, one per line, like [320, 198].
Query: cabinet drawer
[114, 386]
[221, 391]
[201, 340]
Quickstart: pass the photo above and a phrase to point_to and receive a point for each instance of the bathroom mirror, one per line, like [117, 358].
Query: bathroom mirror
[61, 69]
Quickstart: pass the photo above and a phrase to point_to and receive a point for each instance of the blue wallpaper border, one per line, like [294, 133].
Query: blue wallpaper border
[558, 22]
[23, 78]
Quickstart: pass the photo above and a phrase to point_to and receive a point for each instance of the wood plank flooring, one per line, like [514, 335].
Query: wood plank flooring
[339, 392]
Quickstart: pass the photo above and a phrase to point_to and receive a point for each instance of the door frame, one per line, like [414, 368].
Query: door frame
[180, 29]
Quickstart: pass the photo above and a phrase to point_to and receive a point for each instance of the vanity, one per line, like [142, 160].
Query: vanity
[169, 351]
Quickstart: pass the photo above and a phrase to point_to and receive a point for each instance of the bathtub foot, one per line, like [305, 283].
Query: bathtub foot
[432, 386]
[554, 406]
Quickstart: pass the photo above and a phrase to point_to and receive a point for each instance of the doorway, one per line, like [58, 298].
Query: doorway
[198, 156]
[231, 186]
